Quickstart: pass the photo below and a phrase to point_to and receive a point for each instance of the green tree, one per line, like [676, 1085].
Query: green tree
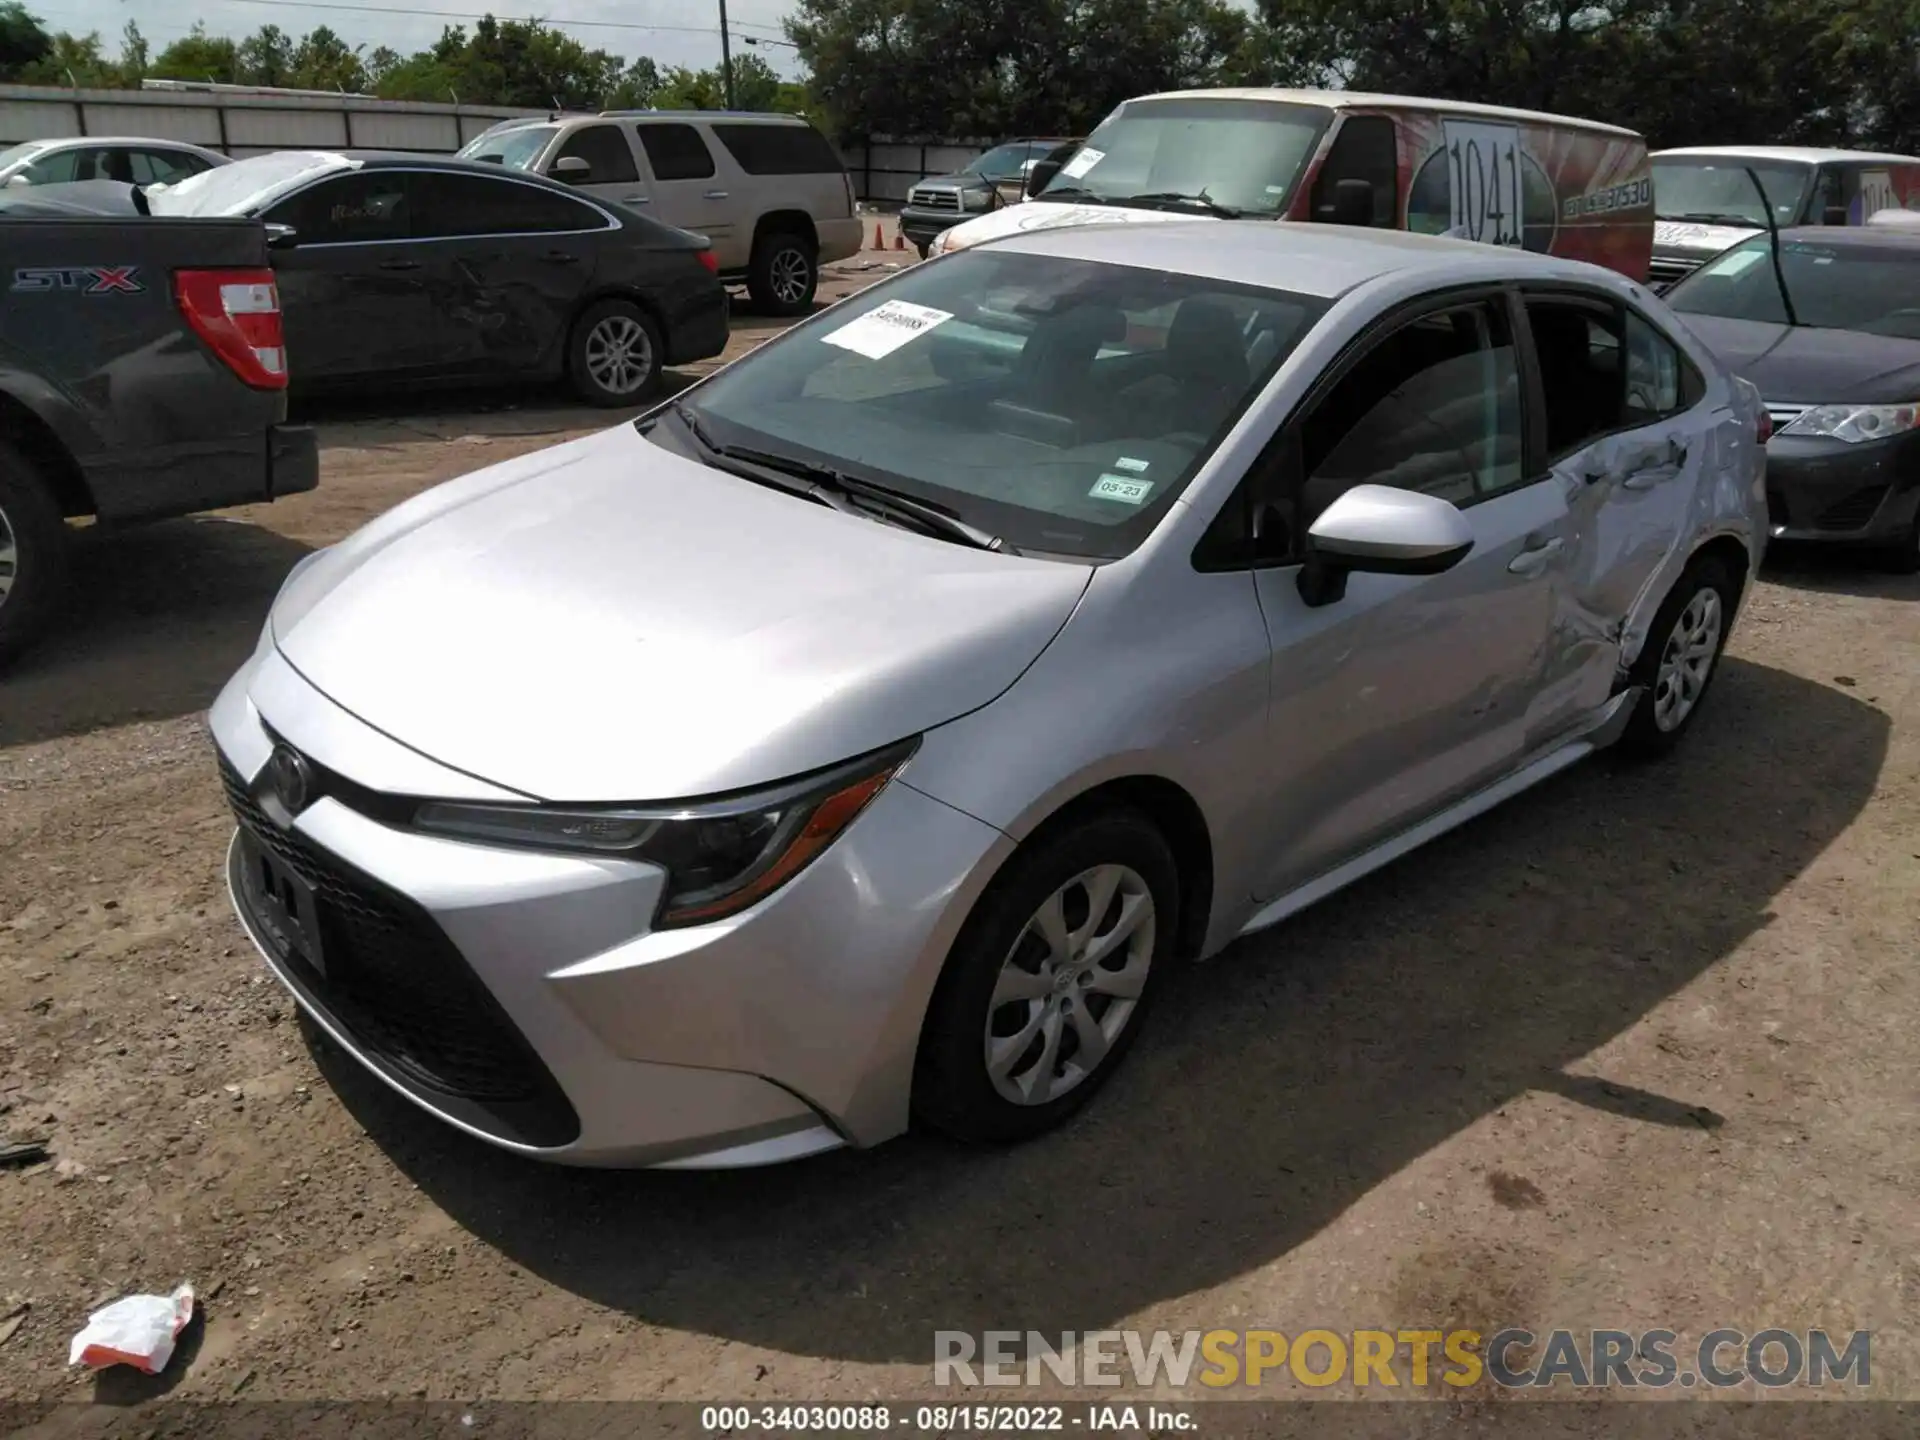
[74, 60]
[266, 57]
[134, 55]
[24, 42]
[199, 56]
[323, 61]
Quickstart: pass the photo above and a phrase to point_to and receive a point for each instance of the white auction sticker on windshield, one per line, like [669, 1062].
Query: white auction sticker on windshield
[1084, 159]
[883, 330]
[1124, 488]
[1131, 465]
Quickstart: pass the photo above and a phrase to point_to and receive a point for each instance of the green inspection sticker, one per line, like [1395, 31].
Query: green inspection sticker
[1124, 488]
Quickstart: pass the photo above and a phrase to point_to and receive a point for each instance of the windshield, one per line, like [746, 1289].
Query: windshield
[1003, 163]
[1243, 154]
[514, 149]
[1871, 288]
[239, 188]
[1060, 404]
[1710, 190]
[14, 154]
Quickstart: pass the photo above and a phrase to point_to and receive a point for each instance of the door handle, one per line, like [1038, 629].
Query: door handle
[1527, 562]
[635, 199]
[399, 264]
[716, 194]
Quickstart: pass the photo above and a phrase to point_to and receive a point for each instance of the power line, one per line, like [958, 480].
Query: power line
[477, 15]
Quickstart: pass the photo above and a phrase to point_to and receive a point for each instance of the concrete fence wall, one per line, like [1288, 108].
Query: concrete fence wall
[242, 123]
[884, 169]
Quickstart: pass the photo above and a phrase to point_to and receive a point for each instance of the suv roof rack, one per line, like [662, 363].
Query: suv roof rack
[704, 114]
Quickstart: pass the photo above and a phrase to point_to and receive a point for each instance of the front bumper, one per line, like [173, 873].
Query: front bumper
[922, 226]
[521, 997]
[1842, 494]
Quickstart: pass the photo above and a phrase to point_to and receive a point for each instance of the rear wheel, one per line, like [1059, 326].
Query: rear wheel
[784, 273]
[1047, 985]
[33, 553]
[615, 353]
[1682, 654]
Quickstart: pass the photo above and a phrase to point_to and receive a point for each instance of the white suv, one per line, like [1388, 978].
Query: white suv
[768, 191]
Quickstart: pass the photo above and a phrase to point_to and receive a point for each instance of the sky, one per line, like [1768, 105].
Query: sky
[673, 32]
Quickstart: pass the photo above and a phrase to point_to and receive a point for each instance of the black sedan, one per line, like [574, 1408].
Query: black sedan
[1831, 335]
[417, 270]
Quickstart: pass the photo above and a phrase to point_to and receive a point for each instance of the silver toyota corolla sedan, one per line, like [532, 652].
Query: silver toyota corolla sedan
[859, 738]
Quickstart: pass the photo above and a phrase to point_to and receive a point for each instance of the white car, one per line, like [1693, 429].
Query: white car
[132, 160]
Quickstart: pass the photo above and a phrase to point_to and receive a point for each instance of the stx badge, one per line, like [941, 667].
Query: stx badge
[87, 279]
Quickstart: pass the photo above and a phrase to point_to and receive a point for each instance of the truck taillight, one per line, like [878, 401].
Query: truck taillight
[237, 312]
[710, 260]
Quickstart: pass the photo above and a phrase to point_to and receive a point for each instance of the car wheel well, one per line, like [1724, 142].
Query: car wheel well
[1730, 553]
[1177, 816]
[781, 222]
[37, 444]
[631, 297]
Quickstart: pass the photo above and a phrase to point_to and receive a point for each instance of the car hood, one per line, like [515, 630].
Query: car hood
[606, 620]
[1050, 215]
[955, 181]
[1807, 365]
[1686, 237]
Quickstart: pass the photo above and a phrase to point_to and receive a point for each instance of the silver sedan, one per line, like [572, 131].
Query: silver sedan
[859, 738]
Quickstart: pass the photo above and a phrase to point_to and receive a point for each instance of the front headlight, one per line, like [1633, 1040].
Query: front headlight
[721, 856]
[981, 199]
[1855, 423]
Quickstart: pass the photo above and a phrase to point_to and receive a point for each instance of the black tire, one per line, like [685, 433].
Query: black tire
[1648, 735]
[1904, 558]
[601, 371]
[784, 273]
[924, 248]
[953, 1091]
[33, 554]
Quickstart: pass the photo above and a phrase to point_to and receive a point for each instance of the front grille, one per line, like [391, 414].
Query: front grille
[1665, 270]
[1783, 415]
[401, 990]
[934, 200]
[1854, 511]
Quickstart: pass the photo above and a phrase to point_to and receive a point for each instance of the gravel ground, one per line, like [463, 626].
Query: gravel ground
[1634, 1051]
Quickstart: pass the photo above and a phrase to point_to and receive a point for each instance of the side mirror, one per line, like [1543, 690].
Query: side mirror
[1040, 175]
[19, 182]
[1353, 202]
[281, 237]
[571, 169]
[1376, 529]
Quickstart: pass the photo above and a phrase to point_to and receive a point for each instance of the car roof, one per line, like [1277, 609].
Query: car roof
[1362, 100]
[1854, 237]
[1807, 154]
[1324, 261]
[90, 140]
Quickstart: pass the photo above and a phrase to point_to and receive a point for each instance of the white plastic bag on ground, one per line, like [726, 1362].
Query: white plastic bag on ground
[137, 1331]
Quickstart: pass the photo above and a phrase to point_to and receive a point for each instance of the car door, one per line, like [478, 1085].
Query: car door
[613, 171]
[353, 294]
[1411, 691]
[689, 191]
[1627, 443]
[507, 261]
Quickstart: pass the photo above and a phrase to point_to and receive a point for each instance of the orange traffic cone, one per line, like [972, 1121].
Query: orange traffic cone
[899, 242]
[879, 237]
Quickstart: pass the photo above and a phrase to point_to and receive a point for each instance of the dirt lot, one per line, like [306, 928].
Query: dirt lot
[1636, 1051]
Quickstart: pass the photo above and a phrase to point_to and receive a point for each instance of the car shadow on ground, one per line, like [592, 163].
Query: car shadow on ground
[1279, 1083]
[1836, 571]
[155, 620]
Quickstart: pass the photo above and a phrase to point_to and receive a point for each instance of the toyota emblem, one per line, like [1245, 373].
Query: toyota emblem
[289, 780]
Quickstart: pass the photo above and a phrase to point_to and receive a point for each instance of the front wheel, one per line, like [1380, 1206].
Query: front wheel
[1680, 658]
[1047, 985]
[783, 274]
[614, 354]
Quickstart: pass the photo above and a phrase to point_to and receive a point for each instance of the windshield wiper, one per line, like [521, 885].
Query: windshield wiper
[1071, 192]
[1713, 217]
[1180, 197]
[846, 493]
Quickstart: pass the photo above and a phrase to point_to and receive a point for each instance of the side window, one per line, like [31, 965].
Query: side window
[778, 149]
[1654, 390]
[164, 166]
[1828, 205]
[1364, 149]
[676, 152]
[365, 208]
[447, 205]
[1604, 369]
[62, 166]
[609, 158]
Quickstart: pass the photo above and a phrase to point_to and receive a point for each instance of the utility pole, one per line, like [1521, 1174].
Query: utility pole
[726, 55]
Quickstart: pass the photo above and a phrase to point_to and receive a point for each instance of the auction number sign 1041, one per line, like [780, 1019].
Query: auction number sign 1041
[1483, 166]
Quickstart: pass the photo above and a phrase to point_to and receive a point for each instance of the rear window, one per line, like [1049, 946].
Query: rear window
[779, 149]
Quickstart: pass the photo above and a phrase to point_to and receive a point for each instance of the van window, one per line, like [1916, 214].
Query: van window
[780, 149]
[1364, 148]
[1245, 154]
